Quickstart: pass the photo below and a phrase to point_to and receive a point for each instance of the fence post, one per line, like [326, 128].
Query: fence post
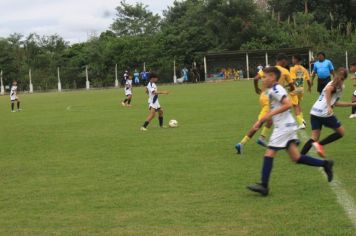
[247, 66]
[116, 77]
[2, 85]
[310, 59]
[267, 59]
[87, 78]
[59, 80]
[347, 60]
[174, 72]
[205, 69]
[30, 76]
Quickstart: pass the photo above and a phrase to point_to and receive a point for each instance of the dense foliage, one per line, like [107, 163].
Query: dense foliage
[186, 31]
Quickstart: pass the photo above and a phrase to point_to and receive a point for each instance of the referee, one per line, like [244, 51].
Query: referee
[323, 68]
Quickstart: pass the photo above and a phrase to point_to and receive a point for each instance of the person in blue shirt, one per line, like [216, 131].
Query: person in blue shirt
[323, 68]
[137, 77]
[144, 77]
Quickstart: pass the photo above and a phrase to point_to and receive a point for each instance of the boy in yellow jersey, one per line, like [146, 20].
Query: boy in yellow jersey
[300, 75]
[286, 81]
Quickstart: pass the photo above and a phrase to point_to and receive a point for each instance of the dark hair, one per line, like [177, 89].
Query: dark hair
[274, 70]
[298, 57]
[353, 64]
[153, 75]
[281, 57]
[321, 53]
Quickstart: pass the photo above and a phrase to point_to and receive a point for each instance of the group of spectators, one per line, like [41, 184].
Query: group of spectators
[137, 77]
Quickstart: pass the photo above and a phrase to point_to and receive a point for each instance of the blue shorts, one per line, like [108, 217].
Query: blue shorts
[331, 122]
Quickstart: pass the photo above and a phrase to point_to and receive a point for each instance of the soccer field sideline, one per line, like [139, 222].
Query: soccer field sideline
[344, 199]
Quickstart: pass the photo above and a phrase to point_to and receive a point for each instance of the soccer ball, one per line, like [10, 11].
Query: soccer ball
[173, 123]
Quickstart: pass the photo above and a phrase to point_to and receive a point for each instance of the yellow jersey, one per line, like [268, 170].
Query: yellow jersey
[299, 75]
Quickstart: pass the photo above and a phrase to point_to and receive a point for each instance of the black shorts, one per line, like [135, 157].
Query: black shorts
[322, 84]
[331, 122]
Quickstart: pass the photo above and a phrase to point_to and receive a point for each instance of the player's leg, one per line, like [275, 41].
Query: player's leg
[298, 158]
[262, 140]
[129, 99]
[18, 104]
[339, 133]
[267, 167]
[150, 117]
[317, 125]
[12, 105]
[239, 147]
[160, 117]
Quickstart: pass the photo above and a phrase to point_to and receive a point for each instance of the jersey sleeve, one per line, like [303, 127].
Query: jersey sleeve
[331, 66]
[278, 93]
[261, 74]
[293, 73]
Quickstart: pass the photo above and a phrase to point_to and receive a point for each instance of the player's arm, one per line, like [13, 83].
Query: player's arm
[345, 104]
[255, 83]
[160, 92]
[329, 90]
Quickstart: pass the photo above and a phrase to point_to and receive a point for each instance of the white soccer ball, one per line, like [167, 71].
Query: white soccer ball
[173, 123]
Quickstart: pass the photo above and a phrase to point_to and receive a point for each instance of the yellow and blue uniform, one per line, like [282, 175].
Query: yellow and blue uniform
[299, 75]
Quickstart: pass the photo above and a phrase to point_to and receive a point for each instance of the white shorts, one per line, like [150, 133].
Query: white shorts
[155, 105]
[14, 98]
[355, 93]
[280, 139]
[127, 93]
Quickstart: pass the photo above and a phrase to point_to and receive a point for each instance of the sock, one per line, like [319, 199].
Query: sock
[310, 161]
[160, 121]
[307, 147]
[125, 101]
[266, 170]
[300, 119]
[265, 131]
[18, 105]
[245, 140]
[353, 110]
[331, 138]
[146, 124]
[12, 106]
[129, 101]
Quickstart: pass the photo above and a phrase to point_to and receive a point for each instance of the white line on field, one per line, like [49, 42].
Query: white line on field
[343, 197]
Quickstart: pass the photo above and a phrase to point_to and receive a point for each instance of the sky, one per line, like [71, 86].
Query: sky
[74, 20]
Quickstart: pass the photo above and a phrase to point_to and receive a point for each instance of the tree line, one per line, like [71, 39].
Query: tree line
[185, 32]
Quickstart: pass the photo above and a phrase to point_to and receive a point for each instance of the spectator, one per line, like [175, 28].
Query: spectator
[137, 78]
[323, 68]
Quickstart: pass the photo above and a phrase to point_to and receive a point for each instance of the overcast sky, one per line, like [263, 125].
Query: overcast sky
[72, 19]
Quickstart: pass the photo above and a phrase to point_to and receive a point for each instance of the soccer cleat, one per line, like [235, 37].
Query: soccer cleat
[239, 148]
[353, 116]
[143, 129]
[259, 188]
[261, 142]
[302, 126]
[13, 111]
[123, 104]
[328, 168]
[319, 149]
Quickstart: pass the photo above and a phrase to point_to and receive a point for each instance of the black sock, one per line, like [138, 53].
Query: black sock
[331, 138]
[160, 121]
[18, 105]
[354, 110]
[266, 170]
[129, 101]
[125, 101]
[307, 147]
[146, 124]
[310, 161]
[12, 106]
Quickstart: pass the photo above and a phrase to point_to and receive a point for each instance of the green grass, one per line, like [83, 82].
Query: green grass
[77, 164]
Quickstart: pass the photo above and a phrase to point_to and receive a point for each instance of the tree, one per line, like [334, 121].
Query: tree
[133, 20]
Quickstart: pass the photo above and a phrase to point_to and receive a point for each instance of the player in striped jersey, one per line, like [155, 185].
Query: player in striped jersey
[14, 98]
[128, 92]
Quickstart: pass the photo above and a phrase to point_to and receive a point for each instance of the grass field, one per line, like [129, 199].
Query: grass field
[76, 164]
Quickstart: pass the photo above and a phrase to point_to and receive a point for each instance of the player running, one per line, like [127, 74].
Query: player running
[284, 134]
[154, 106]
[300, 75]
[281, 63]
[322, 114]
[353, 70]
[128, 92]
[14, 98]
